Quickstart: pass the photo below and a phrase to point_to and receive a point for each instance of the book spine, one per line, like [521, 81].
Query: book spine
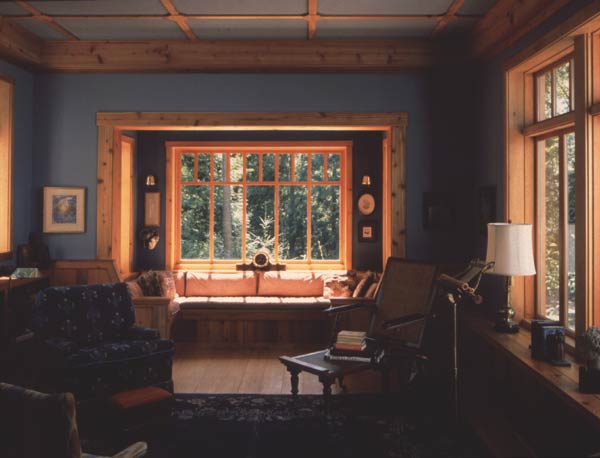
[360, 359]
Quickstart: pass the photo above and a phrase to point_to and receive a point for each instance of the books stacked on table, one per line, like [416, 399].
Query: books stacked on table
[353, 346]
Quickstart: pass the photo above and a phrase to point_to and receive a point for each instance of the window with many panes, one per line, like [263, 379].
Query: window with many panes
[554, 94]
[556, 226]
[231, 200]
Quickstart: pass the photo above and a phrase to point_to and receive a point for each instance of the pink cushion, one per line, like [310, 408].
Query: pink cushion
[179, 278]
[220, 284]
[290, 284]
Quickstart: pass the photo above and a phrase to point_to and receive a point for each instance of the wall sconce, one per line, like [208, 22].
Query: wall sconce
[150, 180]
[366, 180]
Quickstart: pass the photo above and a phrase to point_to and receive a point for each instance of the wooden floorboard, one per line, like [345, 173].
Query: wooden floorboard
[200, 370]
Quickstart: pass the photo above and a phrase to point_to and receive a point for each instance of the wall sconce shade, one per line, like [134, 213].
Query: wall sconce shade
[366, 180]
[150, 180]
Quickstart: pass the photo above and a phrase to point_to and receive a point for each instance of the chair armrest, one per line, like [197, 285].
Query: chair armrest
[346, 304]
[136, 450]
[141, 333]
[403, 321]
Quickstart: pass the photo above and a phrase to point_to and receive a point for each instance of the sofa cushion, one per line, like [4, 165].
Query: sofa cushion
[179, 279]
[252, 302]
[220, 284]
[290, 284]
[118, 351]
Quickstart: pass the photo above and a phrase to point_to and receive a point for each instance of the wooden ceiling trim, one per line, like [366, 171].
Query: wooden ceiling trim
[312, 19]
[250, 120]
[239, 56]
[508, 21]
[37, 15]
[446, 18]
[178, 19]
[19, 44]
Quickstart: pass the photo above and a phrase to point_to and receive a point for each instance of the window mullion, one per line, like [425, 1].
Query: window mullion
[211, 224]
[563, 218]
[276, 209]
[309, 208]
[244, 196]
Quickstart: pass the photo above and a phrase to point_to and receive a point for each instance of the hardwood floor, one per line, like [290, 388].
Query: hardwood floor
[200, 370]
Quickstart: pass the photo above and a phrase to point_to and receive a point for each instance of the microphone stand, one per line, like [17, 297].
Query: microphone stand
[456, 289]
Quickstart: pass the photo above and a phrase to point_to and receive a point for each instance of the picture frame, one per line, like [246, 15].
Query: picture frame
[367, 231]
[439, 211]
[64, 209]
[152, 209]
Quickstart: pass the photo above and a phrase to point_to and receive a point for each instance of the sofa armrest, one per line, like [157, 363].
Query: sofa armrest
[142, 333]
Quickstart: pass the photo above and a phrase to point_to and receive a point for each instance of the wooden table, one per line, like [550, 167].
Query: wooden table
[327, 371]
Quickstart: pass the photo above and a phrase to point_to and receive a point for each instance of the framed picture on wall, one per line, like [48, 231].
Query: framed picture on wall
[64, 209]
[367, 231]
[152, 209]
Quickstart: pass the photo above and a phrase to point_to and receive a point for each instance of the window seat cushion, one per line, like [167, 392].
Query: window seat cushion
[251, 302]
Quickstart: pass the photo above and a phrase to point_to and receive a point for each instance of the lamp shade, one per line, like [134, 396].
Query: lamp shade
[510, 247]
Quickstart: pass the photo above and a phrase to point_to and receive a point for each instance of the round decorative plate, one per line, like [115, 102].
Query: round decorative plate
[366, 204]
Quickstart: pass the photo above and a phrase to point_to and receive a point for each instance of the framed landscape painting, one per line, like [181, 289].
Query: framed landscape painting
[64, 209]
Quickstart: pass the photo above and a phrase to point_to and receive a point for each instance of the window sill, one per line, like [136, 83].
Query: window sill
[564, 381]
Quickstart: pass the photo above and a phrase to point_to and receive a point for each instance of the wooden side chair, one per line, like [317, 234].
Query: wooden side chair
[399, 314]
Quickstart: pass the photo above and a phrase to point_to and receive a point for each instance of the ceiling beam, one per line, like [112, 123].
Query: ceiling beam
[178, 19]
[449, 16]
[18, 44]
[37, 15]
[508, 21]
[239, 56]
[311, 18]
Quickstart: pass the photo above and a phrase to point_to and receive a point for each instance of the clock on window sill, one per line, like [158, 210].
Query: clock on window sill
[366, 204]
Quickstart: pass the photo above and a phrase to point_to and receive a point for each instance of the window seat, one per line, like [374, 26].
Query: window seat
[518, 405]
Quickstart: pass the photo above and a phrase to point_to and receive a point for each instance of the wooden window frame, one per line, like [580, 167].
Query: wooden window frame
[173, 225]
[391, 124]
[539, 311]
[579, 36]
[539, 101]
[7, 89]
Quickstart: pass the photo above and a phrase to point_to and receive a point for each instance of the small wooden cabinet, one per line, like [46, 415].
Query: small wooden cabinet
[153, 312]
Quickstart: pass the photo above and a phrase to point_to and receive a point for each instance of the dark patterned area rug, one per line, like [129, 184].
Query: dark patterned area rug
[256, 426]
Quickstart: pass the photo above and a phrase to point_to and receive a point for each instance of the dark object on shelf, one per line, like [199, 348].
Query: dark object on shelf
[33, 254]
[589, 380]
[548, 342]
[439, 211]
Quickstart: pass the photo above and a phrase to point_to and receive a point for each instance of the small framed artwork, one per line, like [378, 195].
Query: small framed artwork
[367, 231]
[439, 211]
[64, 209]
[152, 209]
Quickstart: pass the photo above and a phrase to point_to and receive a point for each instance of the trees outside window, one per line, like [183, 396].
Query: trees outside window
[233, 200]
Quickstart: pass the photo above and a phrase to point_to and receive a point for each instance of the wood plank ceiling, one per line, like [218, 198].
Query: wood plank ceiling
[258, 35]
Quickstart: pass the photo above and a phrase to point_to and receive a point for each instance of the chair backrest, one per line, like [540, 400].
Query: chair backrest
[86, 314]
[37, 425]
[407, 288]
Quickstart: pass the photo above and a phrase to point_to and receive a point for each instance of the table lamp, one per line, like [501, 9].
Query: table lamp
[510, 247]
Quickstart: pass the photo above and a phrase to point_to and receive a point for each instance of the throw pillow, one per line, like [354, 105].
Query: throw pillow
[134, 289]
[150, 283]
[167, 284]
[363, 285]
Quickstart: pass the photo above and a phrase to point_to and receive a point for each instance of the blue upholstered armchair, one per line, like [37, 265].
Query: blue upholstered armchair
[90, 346]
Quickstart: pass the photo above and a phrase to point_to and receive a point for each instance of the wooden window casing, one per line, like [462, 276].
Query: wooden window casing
[6, 157]
[539, 92]
[577, 39]
[175, 150]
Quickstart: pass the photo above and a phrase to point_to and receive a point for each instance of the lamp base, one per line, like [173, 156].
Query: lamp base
[508, 326]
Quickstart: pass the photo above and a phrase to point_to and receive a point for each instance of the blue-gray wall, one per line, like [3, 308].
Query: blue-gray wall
[65, 143]
[22, 151]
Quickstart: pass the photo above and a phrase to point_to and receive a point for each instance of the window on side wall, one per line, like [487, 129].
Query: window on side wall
[6, 153]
